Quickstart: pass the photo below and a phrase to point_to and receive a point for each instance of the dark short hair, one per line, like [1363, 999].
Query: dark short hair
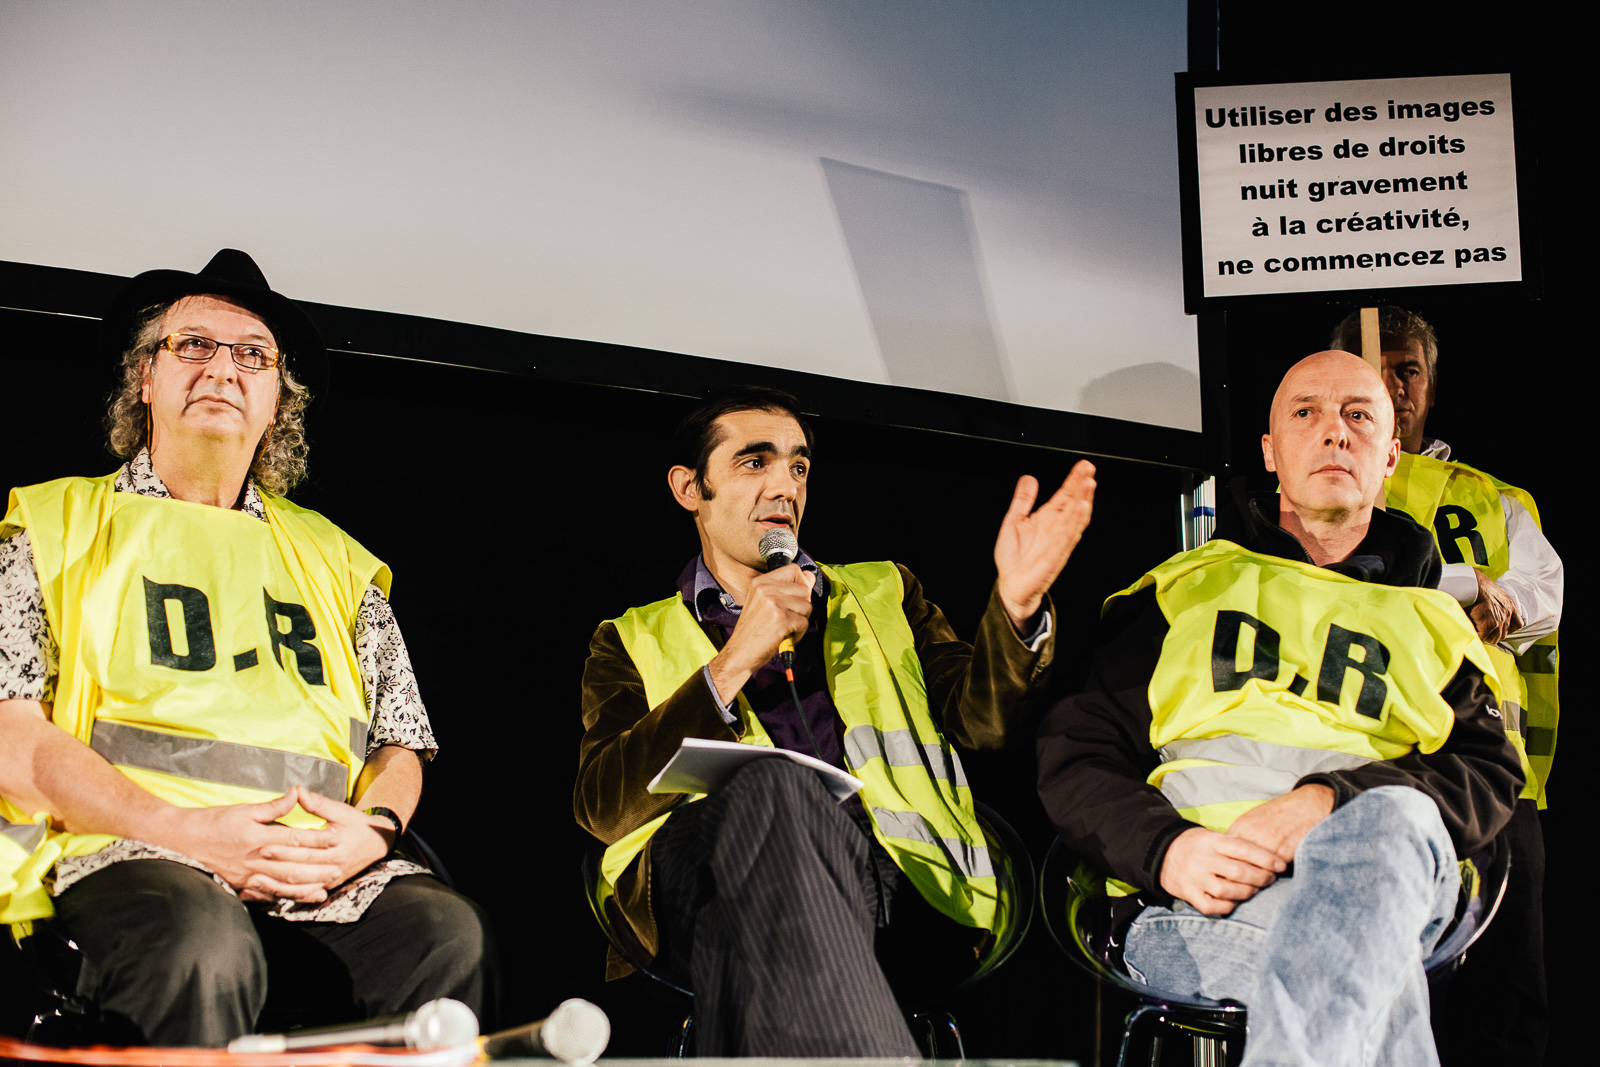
[1397, 328]
[697, 436]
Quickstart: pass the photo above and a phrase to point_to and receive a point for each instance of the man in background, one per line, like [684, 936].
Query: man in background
[1505, 574]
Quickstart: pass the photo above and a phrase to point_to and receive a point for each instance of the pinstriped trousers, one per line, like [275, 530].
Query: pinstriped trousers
[775, 903]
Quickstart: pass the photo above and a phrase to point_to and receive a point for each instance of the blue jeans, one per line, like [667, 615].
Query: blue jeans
[1329, 961]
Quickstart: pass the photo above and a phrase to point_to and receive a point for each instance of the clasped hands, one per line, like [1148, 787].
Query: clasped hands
[266, 861]
[1215, 872]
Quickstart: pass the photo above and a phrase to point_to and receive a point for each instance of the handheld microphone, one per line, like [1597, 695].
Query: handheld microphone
[576, 1033]
[442, 1023]
[778, 548]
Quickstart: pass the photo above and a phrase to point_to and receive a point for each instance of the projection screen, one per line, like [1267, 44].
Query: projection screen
[964, 197]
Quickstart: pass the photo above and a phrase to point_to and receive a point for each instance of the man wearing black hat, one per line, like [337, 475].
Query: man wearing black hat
[196, 676]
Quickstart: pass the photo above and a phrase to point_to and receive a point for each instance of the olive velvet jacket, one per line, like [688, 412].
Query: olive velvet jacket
[976, 694]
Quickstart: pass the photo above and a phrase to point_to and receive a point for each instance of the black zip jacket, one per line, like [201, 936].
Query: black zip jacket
[1094, 747]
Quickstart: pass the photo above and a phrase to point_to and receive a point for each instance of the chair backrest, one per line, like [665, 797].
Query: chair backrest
[1483, 886]
[615, 927]
[1014, 870]
[414, 843]
[1077, 913]
[46, 965]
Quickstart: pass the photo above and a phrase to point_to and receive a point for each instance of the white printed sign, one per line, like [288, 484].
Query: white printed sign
[1375, 183]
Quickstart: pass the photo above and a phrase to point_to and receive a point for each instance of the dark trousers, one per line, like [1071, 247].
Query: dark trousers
[1496, 1009]
[782, 912]
[180, 961]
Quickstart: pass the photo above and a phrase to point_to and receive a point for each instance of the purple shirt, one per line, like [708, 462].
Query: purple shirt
[768, 689]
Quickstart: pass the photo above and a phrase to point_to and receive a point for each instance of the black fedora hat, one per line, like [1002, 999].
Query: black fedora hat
[233, 275]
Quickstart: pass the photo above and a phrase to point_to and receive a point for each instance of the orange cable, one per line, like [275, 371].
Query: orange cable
[108, 1056]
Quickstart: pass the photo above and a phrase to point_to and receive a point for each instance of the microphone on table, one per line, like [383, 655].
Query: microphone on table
[442, 1023]
[778, 548]
[576, 1033]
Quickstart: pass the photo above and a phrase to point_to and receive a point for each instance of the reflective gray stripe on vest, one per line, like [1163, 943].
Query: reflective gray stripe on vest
[1511, 712]
[900, 748]
[204, 760]
[358, 739]
[970, 861]
[25, 835]
[1250, 770]
[1539, 659]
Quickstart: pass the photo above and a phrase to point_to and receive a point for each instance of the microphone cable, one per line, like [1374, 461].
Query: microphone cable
[794, 694]
[779, 548]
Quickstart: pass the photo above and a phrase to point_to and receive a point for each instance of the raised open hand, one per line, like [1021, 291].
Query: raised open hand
[1034, 545]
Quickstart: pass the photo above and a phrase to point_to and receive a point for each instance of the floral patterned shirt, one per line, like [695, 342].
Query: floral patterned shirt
[28, 668]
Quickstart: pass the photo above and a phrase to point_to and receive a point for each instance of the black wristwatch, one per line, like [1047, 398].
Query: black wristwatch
[388, 813]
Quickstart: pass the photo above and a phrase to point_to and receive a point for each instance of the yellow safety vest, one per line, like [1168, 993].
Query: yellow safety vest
[1273, 669]
[1462, 506]
[916, 791]
[207, 655]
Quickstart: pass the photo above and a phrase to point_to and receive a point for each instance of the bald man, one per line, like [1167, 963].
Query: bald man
[1285, 739]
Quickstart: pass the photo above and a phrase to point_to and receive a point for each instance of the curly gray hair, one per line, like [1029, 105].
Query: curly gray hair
[280, 462]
